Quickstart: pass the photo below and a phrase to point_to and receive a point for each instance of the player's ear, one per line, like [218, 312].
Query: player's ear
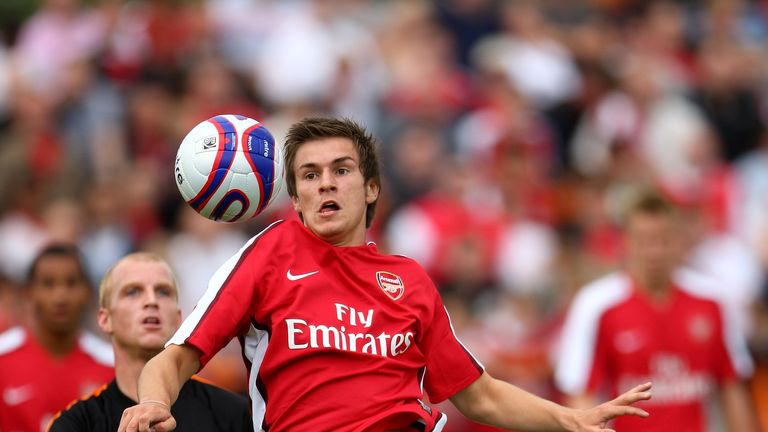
[371, 191]
[296, 204]
[104, 319]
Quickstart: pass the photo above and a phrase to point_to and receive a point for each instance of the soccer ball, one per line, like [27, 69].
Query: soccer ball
[228, 168]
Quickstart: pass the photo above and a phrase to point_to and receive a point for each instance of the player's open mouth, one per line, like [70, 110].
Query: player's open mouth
[329, 207]
[151, 321]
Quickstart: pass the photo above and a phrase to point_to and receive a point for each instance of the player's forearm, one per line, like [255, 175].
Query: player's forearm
[165, 374]
[523, 411]
[738, 407]
[503, 405]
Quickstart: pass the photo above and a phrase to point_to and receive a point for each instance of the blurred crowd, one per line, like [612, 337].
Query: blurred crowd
[512, 134]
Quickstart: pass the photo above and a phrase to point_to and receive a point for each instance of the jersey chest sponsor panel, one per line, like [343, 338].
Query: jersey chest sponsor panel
[677, 344]
[347, 328]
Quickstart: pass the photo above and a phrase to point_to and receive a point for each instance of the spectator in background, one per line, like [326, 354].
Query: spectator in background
[9, 303]
[529, 54]
[726, 93]
[759, 345]
[60, 33]
[138, 309]
[643, 323]
[51, 361]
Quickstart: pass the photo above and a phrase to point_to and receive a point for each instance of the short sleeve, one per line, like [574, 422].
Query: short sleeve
[726, 359]
[596, 379]
[450, 366]
[226, 308]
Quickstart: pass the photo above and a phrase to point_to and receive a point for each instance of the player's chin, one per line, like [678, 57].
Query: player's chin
[64, 323]
[323, 226]
[154, 341]
[154, 346]
[330, 232]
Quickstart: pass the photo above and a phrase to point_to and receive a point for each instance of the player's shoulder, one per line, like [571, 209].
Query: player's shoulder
[698, 287]
[81, 414]
[12, 340]
[405, 265]
[274, 231]
[276, 234]
[96, 348]
[603, 293]
[606, 288]
[405, 261]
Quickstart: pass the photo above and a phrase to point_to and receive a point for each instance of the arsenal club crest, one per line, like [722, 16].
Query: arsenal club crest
[701, 329]
[391, 284]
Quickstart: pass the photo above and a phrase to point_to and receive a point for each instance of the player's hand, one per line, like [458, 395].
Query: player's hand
[147, 417]
[597, 418]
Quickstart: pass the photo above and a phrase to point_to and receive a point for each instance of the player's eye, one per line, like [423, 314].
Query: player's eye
[165, 292]
[343, 171]
[310, 176]
[132, 291]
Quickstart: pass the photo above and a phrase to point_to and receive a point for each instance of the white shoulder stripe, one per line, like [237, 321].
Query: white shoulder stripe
[214, 286]
[579, 337]
[12, 339]
[97, 348]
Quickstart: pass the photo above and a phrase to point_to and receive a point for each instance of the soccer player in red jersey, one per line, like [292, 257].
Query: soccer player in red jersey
[45, 366]
[338, 337]
[646, 323]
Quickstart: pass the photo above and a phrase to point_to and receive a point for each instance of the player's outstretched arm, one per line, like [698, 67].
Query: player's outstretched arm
[495, 402]
[159, 385]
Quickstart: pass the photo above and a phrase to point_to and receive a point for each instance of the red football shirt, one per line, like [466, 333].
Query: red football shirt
[336, 338]
[616, 338]
[34, 386]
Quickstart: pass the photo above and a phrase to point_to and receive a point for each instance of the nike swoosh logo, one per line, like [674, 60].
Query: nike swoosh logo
[293, 277]
[17, 395]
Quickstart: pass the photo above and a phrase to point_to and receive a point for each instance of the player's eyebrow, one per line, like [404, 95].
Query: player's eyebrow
[336, 161]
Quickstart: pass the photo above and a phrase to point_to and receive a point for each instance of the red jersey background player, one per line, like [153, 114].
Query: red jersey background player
[337, 336]
[45, 366]
[647, 323]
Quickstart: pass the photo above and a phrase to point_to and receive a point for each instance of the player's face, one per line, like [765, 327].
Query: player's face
[332, 194]
[142, 313]
[652, 246]
[59, 294]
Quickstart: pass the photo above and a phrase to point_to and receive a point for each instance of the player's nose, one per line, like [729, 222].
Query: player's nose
[150, 298]
[327, 181]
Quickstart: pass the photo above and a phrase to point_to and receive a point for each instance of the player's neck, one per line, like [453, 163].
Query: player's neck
[56, 344]
[655, 287]
[347, 239]
[128, 367]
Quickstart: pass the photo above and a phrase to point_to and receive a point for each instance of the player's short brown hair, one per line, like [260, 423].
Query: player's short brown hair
[313, 128]
[106, 286]
[67, 250]
[649, 202]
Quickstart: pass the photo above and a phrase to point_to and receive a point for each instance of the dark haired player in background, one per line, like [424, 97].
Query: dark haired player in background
[46, 365]
[138, 308]
[337, 336]
[646, 323]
